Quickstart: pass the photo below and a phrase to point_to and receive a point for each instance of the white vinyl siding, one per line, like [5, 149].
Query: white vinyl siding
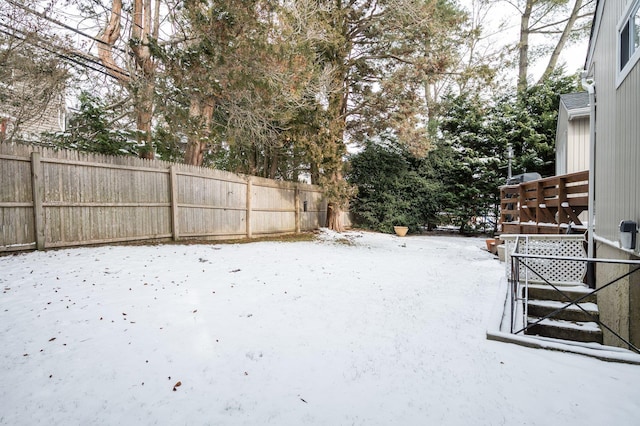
[578, 145]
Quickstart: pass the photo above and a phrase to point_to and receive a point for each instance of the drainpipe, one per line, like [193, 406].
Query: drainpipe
[589, 86]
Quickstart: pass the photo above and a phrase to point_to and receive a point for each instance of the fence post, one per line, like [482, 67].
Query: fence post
[36, 187]
[173, 194]
[248, 206]
[297, 207]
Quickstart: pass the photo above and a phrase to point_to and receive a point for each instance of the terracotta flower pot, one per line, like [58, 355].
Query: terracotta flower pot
[491, 245]
[401, 231]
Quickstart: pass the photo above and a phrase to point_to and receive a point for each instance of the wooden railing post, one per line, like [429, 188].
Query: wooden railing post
[539, 198]
[562, 198]
[37, 190]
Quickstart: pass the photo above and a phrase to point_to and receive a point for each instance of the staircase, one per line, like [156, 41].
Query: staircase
[571, 323]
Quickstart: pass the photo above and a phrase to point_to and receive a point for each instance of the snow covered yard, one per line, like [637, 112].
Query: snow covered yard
[362, 329]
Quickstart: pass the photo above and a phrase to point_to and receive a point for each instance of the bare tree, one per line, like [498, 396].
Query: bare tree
[558, 21]
[138, 75]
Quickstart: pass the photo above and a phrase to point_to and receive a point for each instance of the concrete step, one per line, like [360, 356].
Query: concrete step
[542, 308]
[546, 292]
[566, 330]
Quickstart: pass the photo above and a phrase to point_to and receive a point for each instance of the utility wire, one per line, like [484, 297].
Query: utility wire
[56, 51]
[66, 58]
[62, 24]
[66, 50]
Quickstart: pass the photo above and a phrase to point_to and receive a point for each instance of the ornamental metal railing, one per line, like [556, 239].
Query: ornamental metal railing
[525, 268]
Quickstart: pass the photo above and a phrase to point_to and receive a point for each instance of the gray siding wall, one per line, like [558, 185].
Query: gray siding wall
[572, 143]
[617, 157]
[578, 145]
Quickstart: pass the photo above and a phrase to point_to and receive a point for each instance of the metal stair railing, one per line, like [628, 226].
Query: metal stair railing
[517, 284]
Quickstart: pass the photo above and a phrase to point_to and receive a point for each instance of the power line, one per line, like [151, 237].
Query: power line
[55, 21]
[56, 50]
[83, 55]
[66, 58]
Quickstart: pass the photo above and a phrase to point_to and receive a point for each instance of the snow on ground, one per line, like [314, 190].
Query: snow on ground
[352, 329]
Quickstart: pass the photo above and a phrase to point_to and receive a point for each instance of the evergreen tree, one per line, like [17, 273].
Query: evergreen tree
[528, 122]
[92, 129]
[470, 159]
[394, 188]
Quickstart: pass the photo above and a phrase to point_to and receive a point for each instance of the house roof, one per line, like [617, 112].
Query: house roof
[576, 104]
[573, 101]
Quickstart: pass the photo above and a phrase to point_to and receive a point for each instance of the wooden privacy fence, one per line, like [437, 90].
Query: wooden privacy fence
[545, 206]
[52, 198]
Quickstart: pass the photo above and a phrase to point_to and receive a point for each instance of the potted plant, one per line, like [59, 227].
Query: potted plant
[401, 231]
[400, 226]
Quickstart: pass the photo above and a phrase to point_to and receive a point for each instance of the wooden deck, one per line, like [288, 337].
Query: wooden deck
[545, 206]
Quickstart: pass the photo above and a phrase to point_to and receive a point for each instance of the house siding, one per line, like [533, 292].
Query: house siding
[573, 133]
[578, 145]
[50, 118]
[617, 158]
[617, 193]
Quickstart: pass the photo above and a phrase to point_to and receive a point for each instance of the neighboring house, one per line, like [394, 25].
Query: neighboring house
[572, 134]
[25, 113]
[613, 66]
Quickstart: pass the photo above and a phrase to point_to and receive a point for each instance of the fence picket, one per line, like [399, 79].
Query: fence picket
[66, 198]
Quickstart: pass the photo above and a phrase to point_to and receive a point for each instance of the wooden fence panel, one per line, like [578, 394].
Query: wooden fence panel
[314, 215]
[210, 207]
[17, 231]
[273, 209]
[97, 203]
[51, 198]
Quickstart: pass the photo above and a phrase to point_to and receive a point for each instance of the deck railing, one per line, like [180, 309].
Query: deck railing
[545, 206]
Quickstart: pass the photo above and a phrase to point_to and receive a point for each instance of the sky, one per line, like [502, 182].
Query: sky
[349, 329]
[504, 14]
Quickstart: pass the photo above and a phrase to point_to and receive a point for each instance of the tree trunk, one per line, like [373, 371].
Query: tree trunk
[253, 160]
[141, 85]
[523, 47]
[553, 61]
[273, 167]
[144, 116]
[109, 36]
[314, 172]
[200, 117]
[334, 217]
[334, 206]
